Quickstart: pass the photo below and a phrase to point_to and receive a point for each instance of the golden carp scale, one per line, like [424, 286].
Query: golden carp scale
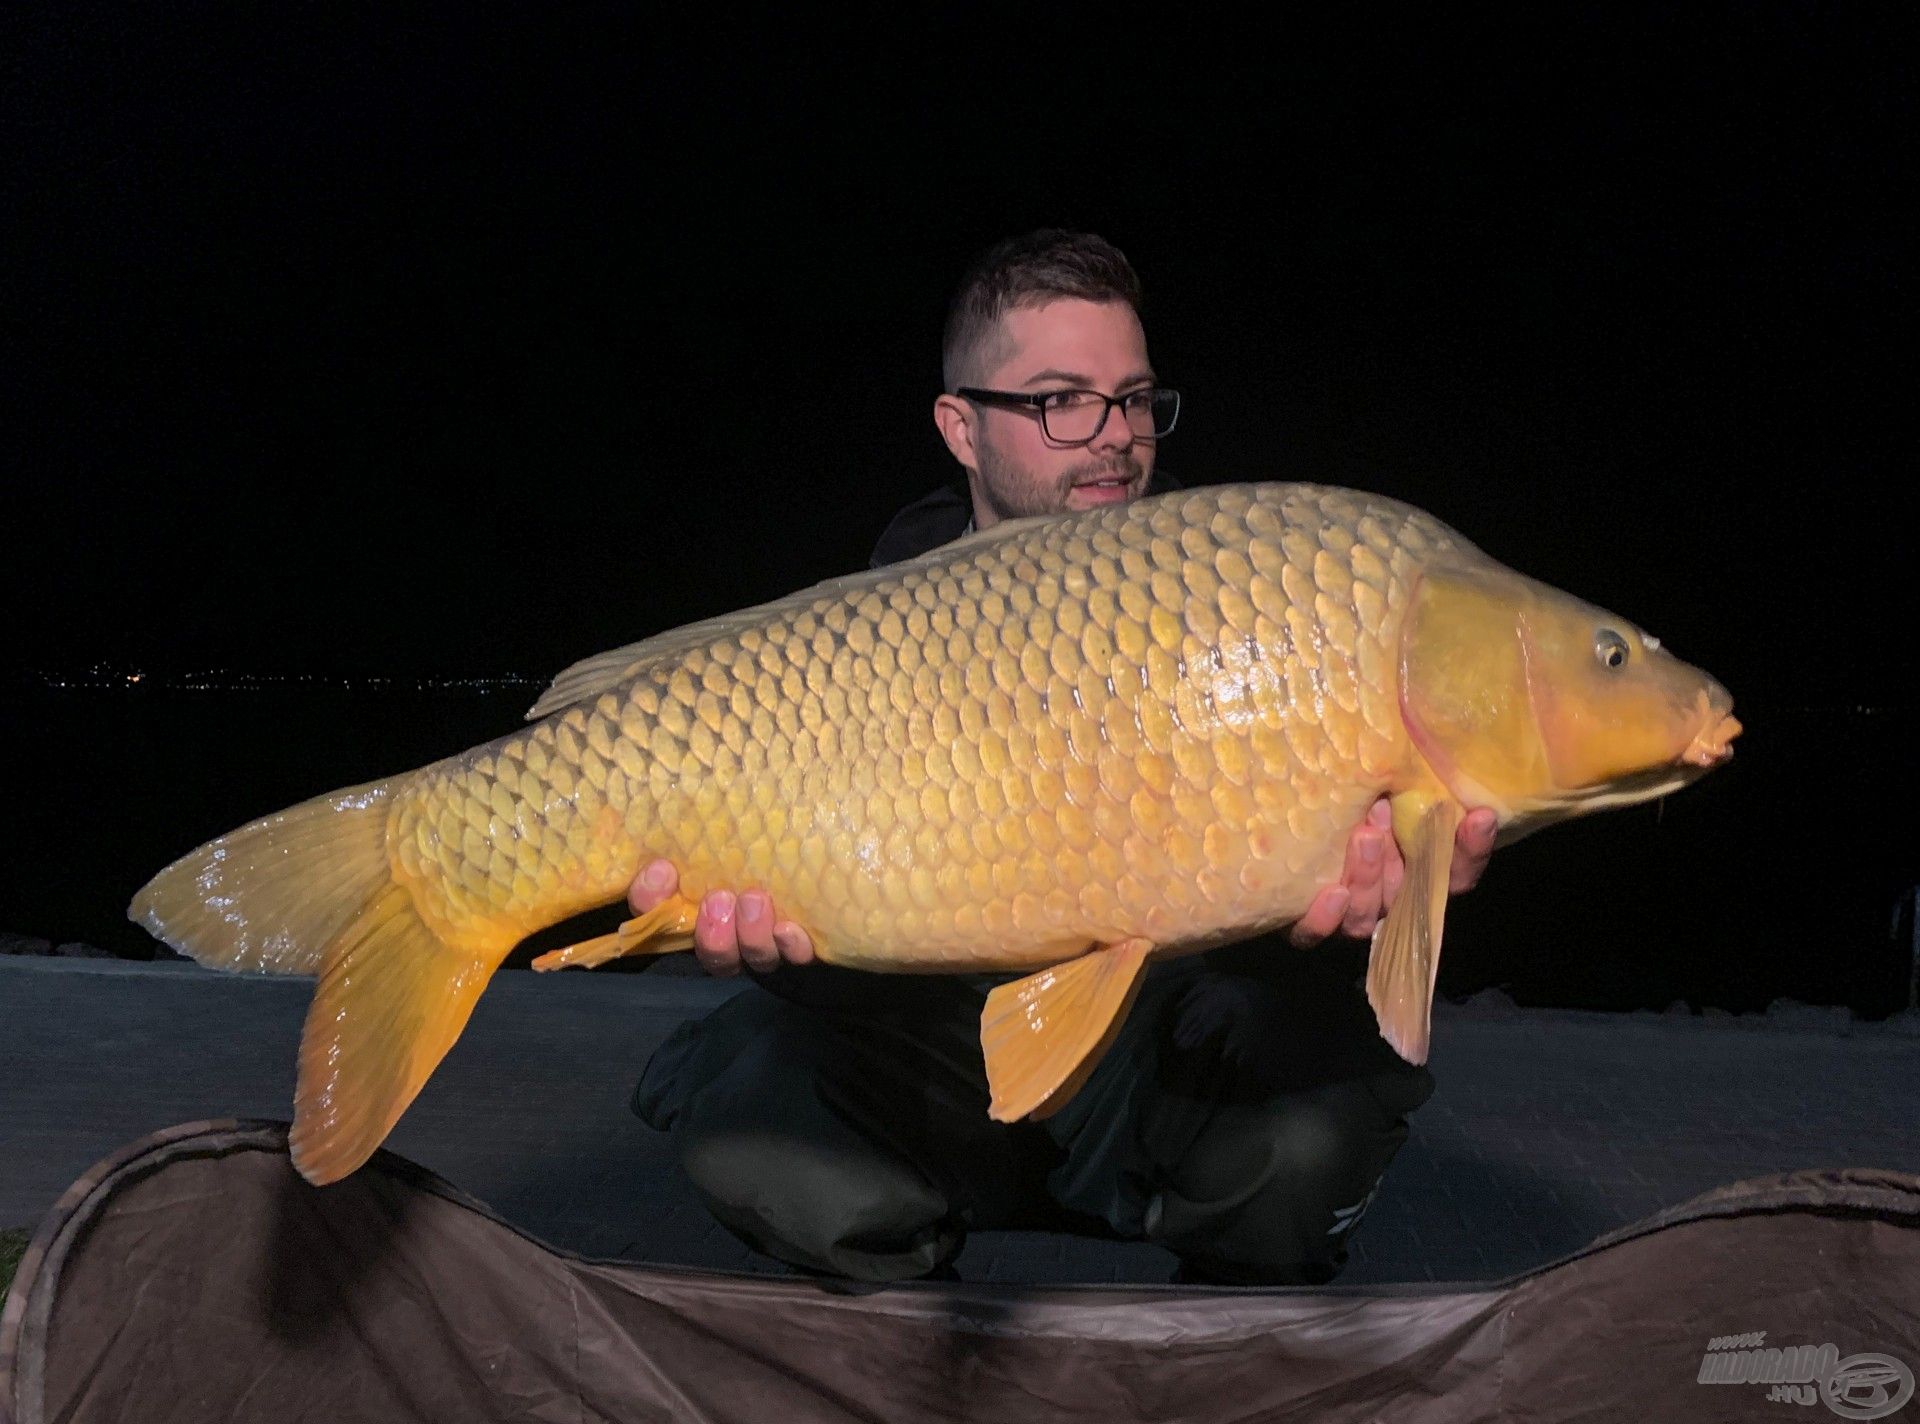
[1156, 720]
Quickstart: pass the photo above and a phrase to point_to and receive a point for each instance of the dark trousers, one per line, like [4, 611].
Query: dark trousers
[1242, 1123]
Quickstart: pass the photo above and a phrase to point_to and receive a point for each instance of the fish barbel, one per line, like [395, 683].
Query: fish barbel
[1064, 745]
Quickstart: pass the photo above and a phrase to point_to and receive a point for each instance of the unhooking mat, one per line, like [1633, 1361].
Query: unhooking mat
[193, 1277]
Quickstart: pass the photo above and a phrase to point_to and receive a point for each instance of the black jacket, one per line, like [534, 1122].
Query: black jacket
[943, 515]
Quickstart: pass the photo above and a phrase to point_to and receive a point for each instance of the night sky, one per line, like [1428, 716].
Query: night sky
[348, 344]
[454, 346]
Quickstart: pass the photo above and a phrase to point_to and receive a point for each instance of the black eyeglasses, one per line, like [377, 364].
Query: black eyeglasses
[1076, 417]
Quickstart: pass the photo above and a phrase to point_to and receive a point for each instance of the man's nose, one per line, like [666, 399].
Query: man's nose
[1114, 432]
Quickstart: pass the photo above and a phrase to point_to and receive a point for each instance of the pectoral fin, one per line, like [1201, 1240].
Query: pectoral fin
[1044, 1034]
[1406, 948]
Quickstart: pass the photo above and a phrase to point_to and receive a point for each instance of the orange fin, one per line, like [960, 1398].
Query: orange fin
[1406, 948]
[664, 929]
[273, 895]
[391, 999]
[1043, 1035]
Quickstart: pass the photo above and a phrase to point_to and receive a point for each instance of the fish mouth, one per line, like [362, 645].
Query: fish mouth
[1713, 744]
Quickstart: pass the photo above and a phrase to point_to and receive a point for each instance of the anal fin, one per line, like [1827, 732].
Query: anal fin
[1043, 1035]
[1406, 948]
[664, 929]
[391, 999]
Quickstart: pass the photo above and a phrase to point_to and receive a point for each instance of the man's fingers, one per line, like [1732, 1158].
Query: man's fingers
[795, 944]
[754, 923]
[655, 882]
[730, 929]
[1322, 917]
[1473, 844]
[1374, 871]
[715, 943]
[1364, 876]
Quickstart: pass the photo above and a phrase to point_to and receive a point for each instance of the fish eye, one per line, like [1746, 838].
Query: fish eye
[1610, 648]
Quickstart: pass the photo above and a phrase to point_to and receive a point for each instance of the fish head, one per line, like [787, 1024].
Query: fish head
[1543, 706]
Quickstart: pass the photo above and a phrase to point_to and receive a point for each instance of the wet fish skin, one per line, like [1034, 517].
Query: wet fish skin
[1142, 730]
[1159, 720]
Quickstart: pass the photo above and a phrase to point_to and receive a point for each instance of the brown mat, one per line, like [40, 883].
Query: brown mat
[194, 1277]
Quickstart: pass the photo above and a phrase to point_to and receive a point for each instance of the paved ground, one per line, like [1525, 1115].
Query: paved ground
[1547, 1128]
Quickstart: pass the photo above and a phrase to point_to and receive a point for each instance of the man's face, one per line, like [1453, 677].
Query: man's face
[1065, 344]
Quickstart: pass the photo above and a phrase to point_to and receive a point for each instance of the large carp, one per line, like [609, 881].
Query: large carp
[1064, 745]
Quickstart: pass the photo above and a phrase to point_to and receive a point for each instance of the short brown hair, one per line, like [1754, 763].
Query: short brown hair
[1022, 272]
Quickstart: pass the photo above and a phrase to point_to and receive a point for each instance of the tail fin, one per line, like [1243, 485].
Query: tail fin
[311, 891]
[271, 896]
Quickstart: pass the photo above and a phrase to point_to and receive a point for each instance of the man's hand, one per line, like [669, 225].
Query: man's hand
[730, 929]
[1373, 872]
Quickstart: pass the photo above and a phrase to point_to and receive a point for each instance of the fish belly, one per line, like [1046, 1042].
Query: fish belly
[1157, 720]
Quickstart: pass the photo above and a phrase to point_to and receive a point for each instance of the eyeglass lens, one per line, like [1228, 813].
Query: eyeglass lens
[1079, 415]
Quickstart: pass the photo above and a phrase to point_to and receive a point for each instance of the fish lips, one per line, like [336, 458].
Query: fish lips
[1714, 745]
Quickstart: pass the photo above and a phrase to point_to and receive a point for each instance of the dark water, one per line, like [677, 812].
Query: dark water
[1782, 874]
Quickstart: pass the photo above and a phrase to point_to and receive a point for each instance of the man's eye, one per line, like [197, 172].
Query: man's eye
[1138, 400]
[1068, 400]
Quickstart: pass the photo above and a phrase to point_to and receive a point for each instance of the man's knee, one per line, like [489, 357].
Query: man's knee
[791, 1178]
[1303, 1151]
[1270, 1192]
[829, 1203]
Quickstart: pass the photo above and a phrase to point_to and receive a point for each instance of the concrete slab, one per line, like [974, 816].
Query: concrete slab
[1547, 1128]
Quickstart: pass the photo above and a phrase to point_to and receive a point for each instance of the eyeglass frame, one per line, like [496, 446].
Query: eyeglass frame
[1039, 401]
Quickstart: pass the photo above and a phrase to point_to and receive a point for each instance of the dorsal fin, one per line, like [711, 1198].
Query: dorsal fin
[603, 671]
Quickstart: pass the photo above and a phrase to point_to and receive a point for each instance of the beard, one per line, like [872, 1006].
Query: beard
[1014, 493]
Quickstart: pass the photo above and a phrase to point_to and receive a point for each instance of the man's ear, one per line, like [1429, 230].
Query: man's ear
[955, 417]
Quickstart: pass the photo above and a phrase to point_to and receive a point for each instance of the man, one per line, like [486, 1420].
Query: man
[1248, 1108]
